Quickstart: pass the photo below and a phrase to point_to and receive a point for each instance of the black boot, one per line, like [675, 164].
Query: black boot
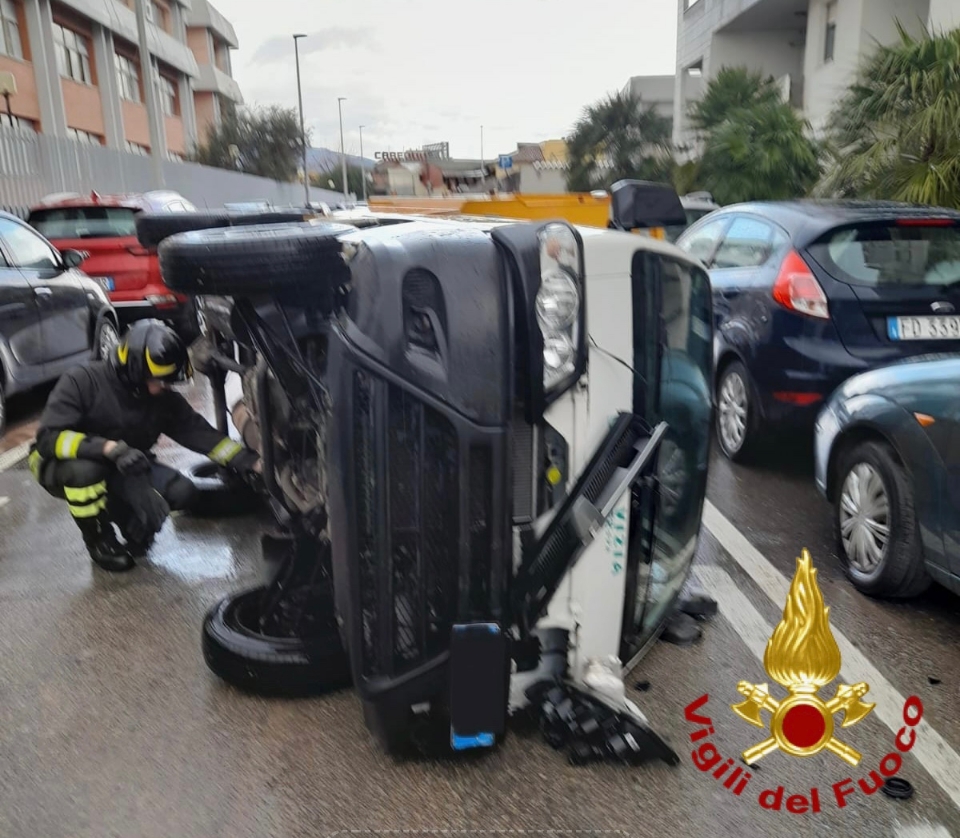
[102, 544]
[137, 539]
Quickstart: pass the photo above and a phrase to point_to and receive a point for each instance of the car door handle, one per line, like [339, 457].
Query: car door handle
[43, 291]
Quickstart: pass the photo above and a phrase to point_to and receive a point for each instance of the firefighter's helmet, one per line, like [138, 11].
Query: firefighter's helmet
[151, 350]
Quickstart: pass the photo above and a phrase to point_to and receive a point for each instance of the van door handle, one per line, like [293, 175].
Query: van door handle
[43, 291]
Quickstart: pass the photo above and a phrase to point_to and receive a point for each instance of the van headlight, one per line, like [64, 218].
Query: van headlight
[544, 263]
[559, 303]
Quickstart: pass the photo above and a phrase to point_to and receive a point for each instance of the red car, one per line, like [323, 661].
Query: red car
[104, 226]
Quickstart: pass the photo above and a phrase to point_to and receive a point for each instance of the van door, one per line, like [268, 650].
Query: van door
[673, 358]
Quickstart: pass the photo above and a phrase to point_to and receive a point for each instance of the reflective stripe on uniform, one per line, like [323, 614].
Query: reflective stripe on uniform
[35, 461]
[68, 442]
[225, 451]
[90, 510]
[82, 494]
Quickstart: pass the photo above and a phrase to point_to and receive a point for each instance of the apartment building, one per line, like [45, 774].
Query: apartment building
[78, 72]
[812, 47]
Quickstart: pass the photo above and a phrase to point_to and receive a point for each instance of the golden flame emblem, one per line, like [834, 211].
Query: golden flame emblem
[802, 655]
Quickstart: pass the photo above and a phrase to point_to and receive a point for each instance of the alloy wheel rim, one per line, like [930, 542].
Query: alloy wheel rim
[733, 412]
[108, 339]
[864, 518]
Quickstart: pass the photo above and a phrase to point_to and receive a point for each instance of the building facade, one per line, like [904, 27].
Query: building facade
[78, 74]
[655, 92]
[812, 47]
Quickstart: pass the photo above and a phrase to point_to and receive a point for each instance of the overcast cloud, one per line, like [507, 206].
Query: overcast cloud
[424, 71]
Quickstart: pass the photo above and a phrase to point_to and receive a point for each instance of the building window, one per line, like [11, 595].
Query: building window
[73, 55]
[128, 74]
[19, 124]
[10, 30]
[168, 96]
[830, 36]
[84, 137]
[136, 148]
[155, 14]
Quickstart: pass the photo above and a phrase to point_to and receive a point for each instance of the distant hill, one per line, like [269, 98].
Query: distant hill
[325, 160]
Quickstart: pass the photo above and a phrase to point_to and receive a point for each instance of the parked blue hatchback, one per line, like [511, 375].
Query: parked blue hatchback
[808, 293]
[888, 458]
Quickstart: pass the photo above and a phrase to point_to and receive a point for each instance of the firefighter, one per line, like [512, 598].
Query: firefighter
[93, 445]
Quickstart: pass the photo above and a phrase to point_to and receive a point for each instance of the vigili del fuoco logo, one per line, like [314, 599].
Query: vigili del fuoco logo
[803, 657]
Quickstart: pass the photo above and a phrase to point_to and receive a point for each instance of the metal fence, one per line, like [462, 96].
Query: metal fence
[34, 165]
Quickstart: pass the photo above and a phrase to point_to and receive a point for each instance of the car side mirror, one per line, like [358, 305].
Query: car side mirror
[640, 204]
[74, 258]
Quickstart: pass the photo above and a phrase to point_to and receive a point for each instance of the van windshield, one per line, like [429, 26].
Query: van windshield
[84, 222]
[892, 253]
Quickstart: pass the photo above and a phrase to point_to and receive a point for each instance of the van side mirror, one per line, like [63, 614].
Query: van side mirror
[74, 258]
[640, 204]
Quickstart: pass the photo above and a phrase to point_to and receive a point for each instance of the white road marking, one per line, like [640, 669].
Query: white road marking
[921, 830]
[8, 459]
[932, 751]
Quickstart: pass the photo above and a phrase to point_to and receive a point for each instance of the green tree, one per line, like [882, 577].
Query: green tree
[760, 153]
[264, 142]
[754, 145]
[895, 135]
[354, 180]
[618, 138]
[733, 89]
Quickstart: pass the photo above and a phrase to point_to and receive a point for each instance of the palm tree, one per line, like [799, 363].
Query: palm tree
[732, 89]
[896, 133]
[618, 138]
[759, 152]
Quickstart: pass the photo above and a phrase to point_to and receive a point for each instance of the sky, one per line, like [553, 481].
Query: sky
[426, 71]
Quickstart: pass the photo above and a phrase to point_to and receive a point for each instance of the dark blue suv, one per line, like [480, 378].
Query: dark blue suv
[807, 293]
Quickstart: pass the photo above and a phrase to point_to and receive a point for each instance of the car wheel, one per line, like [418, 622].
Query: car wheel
[106, 341]
[876, 526]
[219, 493]
[736, 430]
[295, 649]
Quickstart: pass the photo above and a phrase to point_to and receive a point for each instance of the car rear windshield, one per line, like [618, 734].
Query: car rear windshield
[85, 222]
[908, 252]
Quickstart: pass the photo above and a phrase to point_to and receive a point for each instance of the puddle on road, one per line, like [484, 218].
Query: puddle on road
[196, 562]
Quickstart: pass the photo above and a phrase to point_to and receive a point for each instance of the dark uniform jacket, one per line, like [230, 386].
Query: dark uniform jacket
[90, 405]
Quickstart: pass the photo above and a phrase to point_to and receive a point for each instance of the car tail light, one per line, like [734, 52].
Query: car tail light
[797, 288]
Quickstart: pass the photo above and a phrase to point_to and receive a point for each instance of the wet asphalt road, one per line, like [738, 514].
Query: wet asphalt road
[110, 723]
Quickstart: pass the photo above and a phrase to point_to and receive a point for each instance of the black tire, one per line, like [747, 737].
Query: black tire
[257, 259]
[220, 494]
[153, 228]
[901, 572]
[107, 333]
[310, 664]
[743, 451]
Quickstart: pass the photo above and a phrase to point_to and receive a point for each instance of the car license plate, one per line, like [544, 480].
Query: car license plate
[924, 328]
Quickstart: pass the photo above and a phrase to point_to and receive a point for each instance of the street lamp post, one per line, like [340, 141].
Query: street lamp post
[303, 133]
[363, 167]
[343, 155]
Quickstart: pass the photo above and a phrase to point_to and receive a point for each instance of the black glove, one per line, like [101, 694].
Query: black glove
[147, 503]
[129, 461]
[244, 461]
